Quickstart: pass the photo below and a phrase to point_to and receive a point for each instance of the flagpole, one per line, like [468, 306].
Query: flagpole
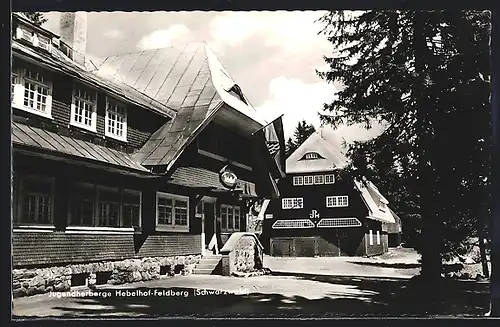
[267, 124]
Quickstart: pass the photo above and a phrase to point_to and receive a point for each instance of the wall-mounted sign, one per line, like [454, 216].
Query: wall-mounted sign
[227, 177]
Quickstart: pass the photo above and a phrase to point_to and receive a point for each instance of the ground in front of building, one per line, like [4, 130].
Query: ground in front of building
[332, 286]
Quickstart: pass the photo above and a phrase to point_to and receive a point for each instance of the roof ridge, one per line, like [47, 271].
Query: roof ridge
[155, 49]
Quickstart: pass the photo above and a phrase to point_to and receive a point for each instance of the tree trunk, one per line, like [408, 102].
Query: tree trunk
[431, 238]
[484, 259]
[482, 246]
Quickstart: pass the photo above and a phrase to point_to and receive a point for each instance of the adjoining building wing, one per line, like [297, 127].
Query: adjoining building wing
[376, 204]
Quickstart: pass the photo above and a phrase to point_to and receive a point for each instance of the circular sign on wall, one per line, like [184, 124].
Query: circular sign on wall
[227, 177]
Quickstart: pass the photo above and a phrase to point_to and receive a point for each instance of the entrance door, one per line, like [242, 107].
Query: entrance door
[209, 212]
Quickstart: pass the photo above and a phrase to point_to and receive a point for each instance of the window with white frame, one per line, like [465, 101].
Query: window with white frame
[101, 206]
[116, 120]
[319, 179]
[172, 211]
[32, 91]
[371, 237]
[308, 180]
[336, 201]
[35, 200]
[230, 218]
[25, 33]
[292, 203]
[330, 179]
[298, 180]
[378, 237]
[43, 42]
[84, 107]
[29, 35]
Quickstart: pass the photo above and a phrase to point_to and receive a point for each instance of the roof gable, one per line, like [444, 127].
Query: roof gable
[330, 151]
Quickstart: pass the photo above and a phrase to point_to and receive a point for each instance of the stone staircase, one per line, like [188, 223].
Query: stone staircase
[207, 264]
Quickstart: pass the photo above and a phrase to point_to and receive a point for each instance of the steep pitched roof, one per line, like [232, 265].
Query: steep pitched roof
[188, 79]
[326, 145]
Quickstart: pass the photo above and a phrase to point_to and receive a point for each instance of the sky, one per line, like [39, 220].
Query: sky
[272, 56]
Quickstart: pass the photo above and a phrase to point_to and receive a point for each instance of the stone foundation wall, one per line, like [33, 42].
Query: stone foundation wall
[44, 280]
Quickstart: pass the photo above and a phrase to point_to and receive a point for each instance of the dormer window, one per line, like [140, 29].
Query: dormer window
[25, 33]
[32, 91]
[43, 42]
[311, 156]
[83, 107]
[116, 120]
[29, 35]
[236, 92]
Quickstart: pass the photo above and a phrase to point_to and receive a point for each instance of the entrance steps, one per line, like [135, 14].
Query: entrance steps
[207, 265]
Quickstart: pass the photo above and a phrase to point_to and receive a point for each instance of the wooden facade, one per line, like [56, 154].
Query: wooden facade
[321, 214]
[103, 171]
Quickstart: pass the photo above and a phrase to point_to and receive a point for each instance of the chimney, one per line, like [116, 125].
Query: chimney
[73, 32]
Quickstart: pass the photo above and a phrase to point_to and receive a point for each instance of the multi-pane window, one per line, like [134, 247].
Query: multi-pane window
[230, 218]
[99, 206]
[165, 206]
[337, 201]
[292, 203]
[31, 91]
[27, 34]
[181, 213]
[329, 179]
[116, 120]
[83, 109]
[311, 155]
[43, 42]
[36, 200]
[298, 180]
[308, 180]
[109, 207]
[131, 208]
[319, 179]
[82, 208]
[173, 211]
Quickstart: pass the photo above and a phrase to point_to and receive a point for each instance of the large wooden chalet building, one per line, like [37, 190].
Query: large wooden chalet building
[319, 214]
[152, 154]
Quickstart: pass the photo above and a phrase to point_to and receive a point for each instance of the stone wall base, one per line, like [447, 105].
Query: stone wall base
[30, 281]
